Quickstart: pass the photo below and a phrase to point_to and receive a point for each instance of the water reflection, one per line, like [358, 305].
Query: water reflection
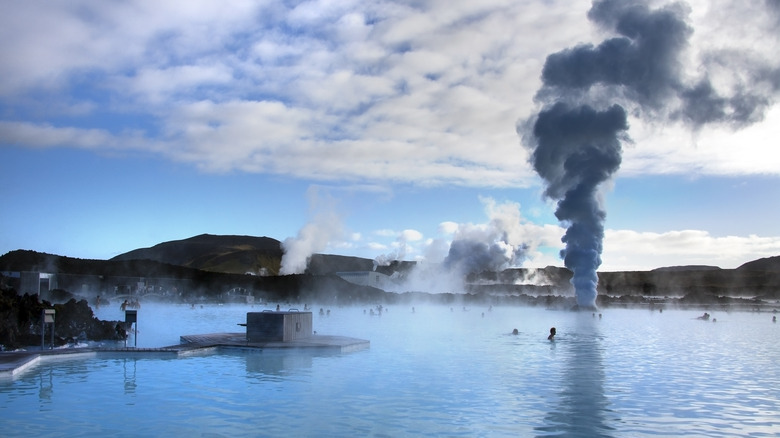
[129, 374]
[581, 408]
[46, 388]
[281, 362]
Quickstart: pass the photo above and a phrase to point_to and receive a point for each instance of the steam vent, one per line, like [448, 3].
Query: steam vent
[277, 330]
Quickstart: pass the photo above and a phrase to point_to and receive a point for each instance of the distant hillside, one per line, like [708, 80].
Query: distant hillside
[242, 254]
[207, 252]
[218, 263]
[771, 264]
[686, 268]
[23, 260]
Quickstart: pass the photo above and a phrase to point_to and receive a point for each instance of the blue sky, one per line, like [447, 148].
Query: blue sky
[370, 128]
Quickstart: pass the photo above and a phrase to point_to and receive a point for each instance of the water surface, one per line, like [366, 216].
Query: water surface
[437, 371]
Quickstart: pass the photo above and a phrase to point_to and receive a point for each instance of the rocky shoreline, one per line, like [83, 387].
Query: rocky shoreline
[20, 322]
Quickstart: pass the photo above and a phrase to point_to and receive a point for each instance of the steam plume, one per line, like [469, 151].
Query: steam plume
[401, 248]
[324, 226]
[577, 150]
[488, 247]
[576, 137]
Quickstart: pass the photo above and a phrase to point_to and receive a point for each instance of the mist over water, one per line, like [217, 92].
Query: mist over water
[432, 370]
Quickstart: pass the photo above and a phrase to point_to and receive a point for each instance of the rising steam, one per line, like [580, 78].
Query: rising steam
[577, 150]
[324, 226]
[575, 140]
[502, 242]
[494, 246]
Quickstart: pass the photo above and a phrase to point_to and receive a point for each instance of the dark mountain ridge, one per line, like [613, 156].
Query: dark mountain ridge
[228, 254]
[764, 264]
[222, 262]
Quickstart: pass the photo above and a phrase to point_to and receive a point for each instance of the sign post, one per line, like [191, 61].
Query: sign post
[131, 317]
[47, 317]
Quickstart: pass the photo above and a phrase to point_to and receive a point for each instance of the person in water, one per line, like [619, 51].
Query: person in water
[552, 334]
[514, 332]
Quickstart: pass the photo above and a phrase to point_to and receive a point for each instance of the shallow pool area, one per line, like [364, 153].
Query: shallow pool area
[429, 371]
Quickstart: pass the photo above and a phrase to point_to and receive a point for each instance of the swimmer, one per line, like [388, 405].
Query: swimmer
[514, 332]
[774, 319]
[552, 334]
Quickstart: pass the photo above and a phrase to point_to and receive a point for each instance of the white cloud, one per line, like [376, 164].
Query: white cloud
[159, 84]
[632, 250]
[672, 149]
[337, 90]
[448, 227]
[375, 91]
[411, 235]
[334, 99]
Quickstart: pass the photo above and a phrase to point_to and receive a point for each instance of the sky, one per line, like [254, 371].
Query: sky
[392, 130]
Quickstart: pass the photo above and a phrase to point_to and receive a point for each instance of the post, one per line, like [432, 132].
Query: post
[47, 317]
[131, 317]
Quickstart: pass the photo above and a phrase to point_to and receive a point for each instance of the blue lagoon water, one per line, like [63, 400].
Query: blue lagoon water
[439, 371]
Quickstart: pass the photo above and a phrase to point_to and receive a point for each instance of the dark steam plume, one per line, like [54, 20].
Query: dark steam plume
[577, 150]
[642, 63]
[576, 138]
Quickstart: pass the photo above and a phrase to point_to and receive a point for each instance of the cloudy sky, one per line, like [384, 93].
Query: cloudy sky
[382, 129]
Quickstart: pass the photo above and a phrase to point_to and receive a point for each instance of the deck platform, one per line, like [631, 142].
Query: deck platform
[339, 344]
[16, 362]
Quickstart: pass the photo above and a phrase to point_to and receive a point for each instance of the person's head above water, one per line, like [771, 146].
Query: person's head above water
[514, 332]
[552, 333]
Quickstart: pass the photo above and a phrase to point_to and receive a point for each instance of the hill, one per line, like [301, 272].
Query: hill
[771, 264]
[215, 264]
[207, 252]
[246, 254]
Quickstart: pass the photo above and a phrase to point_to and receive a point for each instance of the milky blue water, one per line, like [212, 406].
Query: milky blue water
[439, 371]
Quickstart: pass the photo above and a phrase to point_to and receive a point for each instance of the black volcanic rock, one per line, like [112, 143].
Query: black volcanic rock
[20, 321]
